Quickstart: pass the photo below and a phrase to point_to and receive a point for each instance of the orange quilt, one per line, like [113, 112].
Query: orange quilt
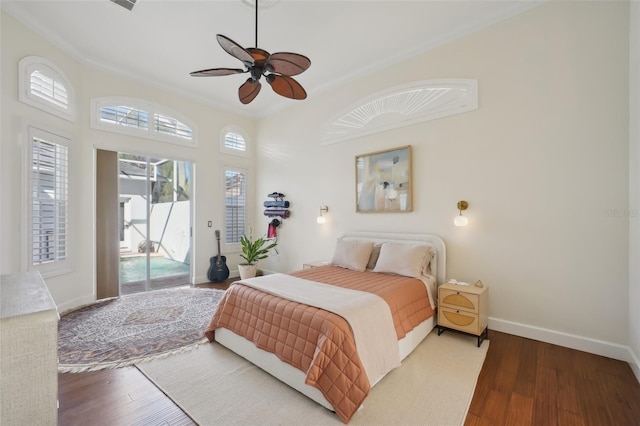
[318, 342]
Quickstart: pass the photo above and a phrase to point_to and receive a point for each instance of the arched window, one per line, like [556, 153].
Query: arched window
[141, 118]
[44, 86]
[232, 141]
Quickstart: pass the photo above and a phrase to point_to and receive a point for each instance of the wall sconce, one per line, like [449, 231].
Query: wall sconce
[321, 219]
[461, 220]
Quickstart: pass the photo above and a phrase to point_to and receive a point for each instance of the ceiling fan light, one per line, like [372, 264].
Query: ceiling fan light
[258, 54]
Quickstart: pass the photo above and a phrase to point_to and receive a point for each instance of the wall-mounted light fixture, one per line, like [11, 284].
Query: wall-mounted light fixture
[461, 220]
[321, 219]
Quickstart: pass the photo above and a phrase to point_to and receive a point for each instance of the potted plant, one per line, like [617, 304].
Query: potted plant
[252, 252]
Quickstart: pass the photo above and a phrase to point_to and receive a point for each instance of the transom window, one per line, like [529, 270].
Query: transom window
[137, 117]
[172, 126]
[124, 116]
[44, 86]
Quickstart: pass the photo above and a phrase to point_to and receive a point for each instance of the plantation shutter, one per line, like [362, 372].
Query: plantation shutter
[50, 198]
[49, 89]
[235, 142]
[235, 204]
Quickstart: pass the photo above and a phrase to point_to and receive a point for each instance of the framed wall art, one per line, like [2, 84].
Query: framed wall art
[383, 181]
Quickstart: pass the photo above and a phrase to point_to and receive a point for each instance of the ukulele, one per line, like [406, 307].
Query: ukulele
[218, 271]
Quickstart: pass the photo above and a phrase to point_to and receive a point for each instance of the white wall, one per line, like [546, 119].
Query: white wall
[542, 163]
[634, 183]
[78, 287]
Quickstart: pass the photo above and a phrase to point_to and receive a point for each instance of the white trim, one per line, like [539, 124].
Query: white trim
[239, 131]
[634, 363]
[30, 64]
[634, 185]
[234, 247]
[401, 106]
[58, 267]
[76, 303]
[568, 340]
[152, 109]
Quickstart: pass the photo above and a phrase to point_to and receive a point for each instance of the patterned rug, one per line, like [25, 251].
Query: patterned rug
[122, 331]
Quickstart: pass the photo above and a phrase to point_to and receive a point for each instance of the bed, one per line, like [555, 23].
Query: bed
[332, 332]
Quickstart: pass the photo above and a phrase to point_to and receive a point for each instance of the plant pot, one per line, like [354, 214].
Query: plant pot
[247, 271]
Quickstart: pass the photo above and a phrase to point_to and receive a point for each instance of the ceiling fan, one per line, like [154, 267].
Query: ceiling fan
[277, 69]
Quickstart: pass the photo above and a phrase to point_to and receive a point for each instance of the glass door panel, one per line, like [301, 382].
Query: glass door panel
[155, 207]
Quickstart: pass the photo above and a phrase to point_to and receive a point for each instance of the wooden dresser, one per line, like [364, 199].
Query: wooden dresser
[464, 308]
[29, 351]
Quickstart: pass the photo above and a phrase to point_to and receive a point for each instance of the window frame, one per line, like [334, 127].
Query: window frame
[239, 131]
[235, 247]
[153, 110]
[30, 64]
[54, 267]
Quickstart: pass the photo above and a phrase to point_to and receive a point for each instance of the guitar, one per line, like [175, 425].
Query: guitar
[218, 271]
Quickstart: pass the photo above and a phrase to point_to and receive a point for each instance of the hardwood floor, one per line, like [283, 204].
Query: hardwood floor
[522, 382]
[526, 382]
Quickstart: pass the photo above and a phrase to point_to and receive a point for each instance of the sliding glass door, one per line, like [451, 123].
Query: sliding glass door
[154, 223]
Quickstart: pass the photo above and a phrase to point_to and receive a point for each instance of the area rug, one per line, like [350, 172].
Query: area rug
[122, 331]
[214, 386]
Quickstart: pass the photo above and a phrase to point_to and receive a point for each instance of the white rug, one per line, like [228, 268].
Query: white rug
[434, 386]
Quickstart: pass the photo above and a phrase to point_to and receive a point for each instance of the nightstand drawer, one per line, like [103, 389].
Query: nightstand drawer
[459, 300]
[459, 320]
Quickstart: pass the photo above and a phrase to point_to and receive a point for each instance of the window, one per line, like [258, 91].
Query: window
[171, 126]
[232, 141]
[127, 116]
[49, 201]
[44, 86]
[137, 117]
[235, 196]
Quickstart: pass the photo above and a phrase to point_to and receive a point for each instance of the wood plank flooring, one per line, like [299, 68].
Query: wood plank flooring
[522, 382]
[526, 382]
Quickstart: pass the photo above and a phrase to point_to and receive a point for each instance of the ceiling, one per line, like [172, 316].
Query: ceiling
[160, 42]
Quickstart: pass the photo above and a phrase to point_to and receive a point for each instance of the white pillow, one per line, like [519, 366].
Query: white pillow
[403, 259]
[352, 254]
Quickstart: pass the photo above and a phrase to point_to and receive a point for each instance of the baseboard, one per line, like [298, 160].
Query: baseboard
[581, 343]
[204, 279]
[635, 364]
[76, 303]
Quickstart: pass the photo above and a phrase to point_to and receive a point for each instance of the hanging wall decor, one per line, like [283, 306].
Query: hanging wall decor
[383, 181]
[276, 208]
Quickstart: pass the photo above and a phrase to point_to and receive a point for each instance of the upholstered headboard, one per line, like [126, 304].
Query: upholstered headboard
[438, 263]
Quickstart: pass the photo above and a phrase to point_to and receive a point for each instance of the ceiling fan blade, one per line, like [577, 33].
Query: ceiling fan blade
[215, 72]
[249, 90]
[235, 50]
[286, 86]
[287, 63]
